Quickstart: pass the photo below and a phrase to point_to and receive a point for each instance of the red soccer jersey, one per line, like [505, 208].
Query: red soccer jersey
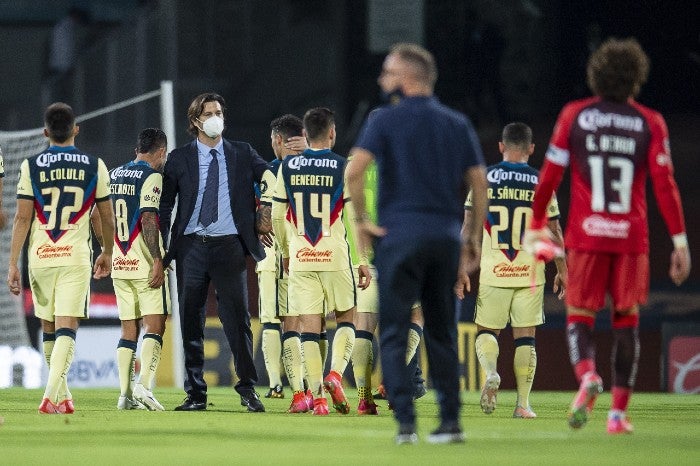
[611, 148]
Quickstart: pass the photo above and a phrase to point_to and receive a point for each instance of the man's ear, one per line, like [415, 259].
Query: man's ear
[76, 130]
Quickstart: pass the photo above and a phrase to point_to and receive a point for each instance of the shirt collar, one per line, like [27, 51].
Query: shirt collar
[204, 149]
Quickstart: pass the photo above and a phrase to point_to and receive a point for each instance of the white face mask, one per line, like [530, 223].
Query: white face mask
[213, 126]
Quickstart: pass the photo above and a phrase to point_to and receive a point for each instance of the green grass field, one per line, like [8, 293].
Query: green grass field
[667, 432]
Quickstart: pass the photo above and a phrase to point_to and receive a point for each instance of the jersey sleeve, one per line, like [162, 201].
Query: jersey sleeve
[267, 187]
[150, 193]
[24, 185]
[102, 193]
[2, 165]
[279, 211]
[553, 209]
[661, 173]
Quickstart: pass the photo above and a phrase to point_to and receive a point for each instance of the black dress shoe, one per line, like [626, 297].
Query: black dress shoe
[191, 405]
[251, 400]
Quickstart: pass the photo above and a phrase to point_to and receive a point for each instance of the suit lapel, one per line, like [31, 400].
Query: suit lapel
[192, 166]
[231, 159]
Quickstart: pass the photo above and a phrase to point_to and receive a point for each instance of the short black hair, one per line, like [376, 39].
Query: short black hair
[517, 134]
[151, 140]
[287, 125]
[317, 122]
[59, 120]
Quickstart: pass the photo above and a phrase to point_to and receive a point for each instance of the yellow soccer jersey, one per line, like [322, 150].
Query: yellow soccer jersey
[64, 184]
[310, 197]
[503, 261]
[267, 186]
[136, 188]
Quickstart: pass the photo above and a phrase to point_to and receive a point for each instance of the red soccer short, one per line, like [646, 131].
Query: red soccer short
[592, 275]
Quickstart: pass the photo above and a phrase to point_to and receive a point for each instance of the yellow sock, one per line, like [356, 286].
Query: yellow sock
[312, 362]
[414, 337]
[151, 346]
[61, 359]
[272, 352]
[487, 351]
[126, 356]
[49, 340]
[323, 346]
[361, 359]
[343, 343]
[524, 366]
[293, 363]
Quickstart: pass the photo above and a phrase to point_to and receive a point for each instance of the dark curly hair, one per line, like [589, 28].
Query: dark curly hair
[618, 69]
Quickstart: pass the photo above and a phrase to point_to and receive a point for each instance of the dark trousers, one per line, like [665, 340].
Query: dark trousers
[221, 262]
[424, 270]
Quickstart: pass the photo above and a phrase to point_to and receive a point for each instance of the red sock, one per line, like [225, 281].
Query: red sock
[583, 366]
[620, 397]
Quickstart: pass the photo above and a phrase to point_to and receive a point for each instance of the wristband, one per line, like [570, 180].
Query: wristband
[680, 240]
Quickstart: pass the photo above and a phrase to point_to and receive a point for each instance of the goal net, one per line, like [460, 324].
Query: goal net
[109, 133]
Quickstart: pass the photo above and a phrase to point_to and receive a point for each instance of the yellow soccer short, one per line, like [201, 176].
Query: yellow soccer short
[136, 299]
[368, 299]
[268, 297]
[522, 307]
[321, 292]
[60, 291]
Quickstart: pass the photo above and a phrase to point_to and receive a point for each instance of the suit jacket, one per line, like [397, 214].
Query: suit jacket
[181, 180]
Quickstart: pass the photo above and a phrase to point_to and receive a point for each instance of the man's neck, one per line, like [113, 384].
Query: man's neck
[320, 145]
[67, 143]
[207, 141]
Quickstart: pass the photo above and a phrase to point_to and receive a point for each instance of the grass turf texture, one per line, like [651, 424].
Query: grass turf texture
[667, 431]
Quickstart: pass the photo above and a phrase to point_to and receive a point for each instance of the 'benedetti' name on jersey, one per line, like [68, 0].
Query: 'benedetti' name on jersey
[311, 180]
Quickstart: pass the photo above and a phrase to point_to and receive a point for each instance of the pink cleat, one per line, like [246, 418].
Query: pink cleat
[332, 384]
[299, 404]
[524, 413]
[66, 407]
[320, 407]
[367, 407]
[618, 423]
[591, 386]
[47, 407]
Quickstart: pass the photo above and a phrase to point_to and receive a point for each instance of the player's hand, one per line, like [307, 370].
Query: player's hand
[560, 285]
[463, 285]
[103, 266]
[680, 265]
[157, 277]
[542, 244]
[13, 279]
[296, 143]
[285, 265]
[365, 277]
[267, 239]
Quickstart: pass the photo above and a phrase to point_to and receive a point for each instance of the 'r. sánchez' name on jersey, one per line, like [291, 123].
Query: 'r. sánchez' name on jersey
[123, 189]
[61, 174]
[516, 194]
[311, 180]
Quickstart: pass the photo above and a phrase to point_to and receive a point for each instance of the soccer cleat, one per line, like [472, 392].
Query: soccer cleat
[125, 403]
[66, 406]
[47, 407]
[618, 423]
[320, 407]
[332, 384]
[275, 392]
[591, 386]
[447, 434]
[299, 404]
[309, 399]
[367, 407]
[407, 435]
[146, 398]
[489, 393]
[381, 393]
[524, 413]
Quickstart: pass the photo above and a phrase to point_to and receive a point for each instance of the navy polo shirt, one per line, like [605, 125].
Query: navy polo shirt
[422, 149]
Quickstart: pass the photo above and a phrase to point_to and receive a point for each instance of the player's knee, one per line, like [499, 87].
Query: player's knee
[628, 318]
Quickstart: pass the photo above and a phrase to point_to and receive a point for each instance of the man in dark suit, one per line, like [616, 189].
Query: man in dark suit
[216, 226]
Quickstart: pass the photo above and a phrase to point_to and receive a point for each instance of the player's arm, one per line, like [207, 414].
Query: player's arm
[560, 279]
[103, 263]
[263, 215]
[151, 236]
[279, 207]
[355, 170]
[668, 198]
[463, 285]
[363, 271]
[475, 179]
[20, 228]
[95, 221]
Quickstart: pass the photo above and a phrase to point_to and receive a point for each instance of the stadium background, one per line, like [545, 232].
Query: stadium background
[499, 61]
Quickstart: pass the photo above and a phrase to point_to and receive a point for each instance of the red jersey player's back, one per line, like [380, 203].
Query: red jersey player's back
[611, 147]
